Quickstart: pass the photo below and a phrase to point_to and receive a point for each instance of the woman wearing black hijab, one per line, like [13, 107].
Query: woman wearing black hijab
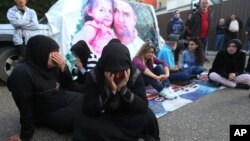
[228, 67]
[37, 86]
[115, 106]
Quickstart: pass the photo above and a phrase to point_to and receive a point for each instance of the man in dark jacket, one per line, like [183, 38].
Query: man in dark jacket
[247, 31]
[200, 22]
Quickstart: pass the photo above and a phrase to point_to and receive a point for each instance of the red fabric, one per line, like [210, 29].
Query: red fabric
[204, 25]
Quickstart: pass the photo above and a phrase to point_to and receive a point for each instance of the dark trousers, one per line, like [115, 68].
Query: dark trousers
[219, 41]
[248, 44]
[231, 35]
[204, 42]
[21, 49]
[158, 70]
[105, 127]
[62, 120]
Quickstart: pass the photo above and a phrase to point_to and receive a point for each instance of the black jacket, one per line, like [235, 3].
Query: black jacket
[195, 23]
[224, 63]
[36, 94]
[248, 27]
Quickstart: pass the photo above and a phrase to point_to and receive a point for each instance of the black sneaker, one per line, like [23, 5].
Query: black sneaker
[242, 86]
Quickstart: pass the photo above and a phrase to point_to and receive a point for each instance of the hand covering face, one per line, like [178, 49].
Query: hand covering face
[37, 54]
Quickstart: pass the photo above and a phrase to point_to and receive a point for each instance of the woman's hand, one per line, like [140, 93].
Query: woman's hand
[59, 60]
[232, 77]
[177, 67]
[123, 81]
[158, 78]
[163, 77]
[78, 63]
[15, 137]
[109, 77]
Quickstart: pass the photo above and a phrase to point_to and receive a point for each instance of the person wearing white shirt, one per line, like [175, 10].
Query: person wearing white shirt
[24, 20]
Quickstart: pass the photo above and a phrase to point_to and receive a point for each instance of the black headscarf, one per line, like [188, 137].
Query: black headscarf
[82, 51]
[114, 40]
[237, 42]
[37, 53]
[115, 57]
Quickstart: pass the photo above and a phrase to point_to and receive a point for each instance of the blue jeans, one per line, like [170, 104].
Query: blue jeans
[219, 40]
[248, 44]
[204, 44]
[158, 70]
[180, 75]
[194, 69]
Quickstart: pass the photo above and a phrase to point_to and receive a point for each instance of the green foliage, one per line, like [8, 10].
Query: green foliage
[40, 6]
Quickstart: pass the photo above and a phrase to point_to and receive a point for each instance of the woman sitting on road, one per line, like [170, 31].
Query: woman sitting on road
[155, 76]
[38, 88]
[228, 67]
[193, 57]
[115, 101]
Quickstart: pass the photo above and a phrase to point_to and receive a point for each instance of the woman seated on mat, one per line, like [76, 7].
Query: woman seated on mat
[228, 67]
[154, 76]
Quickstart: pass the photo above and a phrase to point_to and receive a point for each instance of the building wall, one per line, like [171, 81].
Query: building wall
[238, 7]
[163, 3]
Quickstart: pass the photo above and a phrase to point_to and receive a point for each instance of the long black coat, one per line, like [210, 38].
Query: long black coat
[39, 92]
[120, 117]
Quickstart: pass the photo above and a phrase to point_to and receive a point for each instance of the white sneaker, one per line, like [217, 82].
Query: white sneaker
[166, 92]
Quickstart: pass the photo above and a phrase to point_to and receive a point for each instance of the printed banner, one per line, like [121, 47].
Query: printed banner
[99, 21]
[186, 94]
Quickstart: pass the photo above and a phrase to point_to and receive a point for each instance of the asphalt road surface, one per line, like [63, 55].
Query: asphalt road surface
[207, 119]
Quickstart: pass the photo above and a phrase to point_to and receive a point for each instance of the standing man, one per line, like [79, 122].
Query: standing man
[124, 24]
[200, 23]
[176, 27]
[234, 26]
[24, 21]
[247, 31]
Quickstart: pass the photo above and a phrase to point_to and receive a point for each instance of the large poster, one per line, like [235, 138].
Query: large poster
[99, 21]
